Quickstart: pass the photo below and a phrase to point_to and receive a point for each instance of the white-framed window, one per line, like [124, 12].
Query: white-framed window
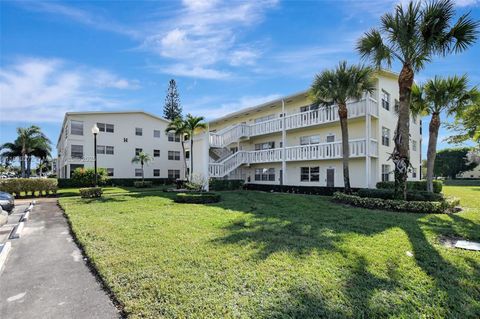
[264, 146]
[307, 108]
[109, 150]
[156, 172]
[76, 127]
[174, 155]
[138, 172]
[264, 118]
[265, 174]
[156, 153]
[385, 100]
[138, 151]
[414, 146]
[156, 133]
[187, 154]
[385, 173]
[100, 149]
[76, 151]
[110, 171]
[313, 139]
[173, 173]
[310, 174]
[385, 136]
[138, 131]
[330, 138]
[104, 127]
[172, 137]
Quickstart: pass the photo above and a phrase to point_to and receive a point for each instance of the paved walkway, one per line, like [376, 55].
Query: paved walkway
[45, 275]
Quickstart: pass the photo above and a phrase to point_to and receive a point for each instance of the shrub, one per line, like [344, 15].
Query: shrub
[85, 177]
[18, 186]
[128, 182]
[422, 196]
[442, 207]
[197, 183]
[142, 184]
[226, 184]
[413, 186]
[197, 198]
[91, 192]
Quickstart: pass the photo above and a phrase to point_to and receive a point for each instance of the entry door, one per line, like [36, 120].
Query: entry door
[330, 177]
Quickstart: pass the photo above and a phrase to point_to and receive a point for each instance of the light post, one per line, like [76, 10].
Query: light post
[95, 131]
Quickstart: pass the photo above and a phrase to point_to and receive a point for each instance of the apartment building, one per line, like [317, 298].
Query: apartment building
[290, 141]
[122, 135]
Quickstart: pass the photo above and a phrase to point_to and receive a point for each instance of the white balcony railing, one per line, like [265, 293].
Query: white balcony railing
[322, 115]
[323, 151]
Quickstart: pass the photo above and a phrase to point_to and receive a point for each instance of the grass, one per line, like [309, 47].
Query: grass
[262, 255]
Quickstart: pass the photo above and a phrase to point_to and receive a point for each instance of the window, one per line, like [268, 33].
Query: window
[173, 173]
[100, 149]
[76, 127]
[110, 171]
[76, 151]
[307, 108]
[187, 154]
[138, 151]
[264, 146]
[385, 100]
[156, 153]
[385, 172]
[156, 172]
[310, 174]
[103, 127]
[330, 138]
[306, 140]
[265, 174]
[174, 155]
[73, 167]
[414, 146]
[138, 172]
[156, 133]
[172, 137]
[109, 150]
[385, 136]
[414, 172]
[138, 131]
[264, 118]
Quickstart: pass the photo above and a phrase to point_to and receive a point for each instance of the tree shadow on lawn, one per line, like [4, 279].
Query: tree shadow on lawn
[282, 222]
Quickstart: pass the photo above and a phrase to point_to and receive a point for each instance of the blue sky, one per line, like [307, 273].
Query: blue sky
[225, 55]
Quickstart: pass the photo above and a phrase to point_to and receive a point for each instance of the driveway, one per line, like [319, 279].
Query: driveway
[45, 275]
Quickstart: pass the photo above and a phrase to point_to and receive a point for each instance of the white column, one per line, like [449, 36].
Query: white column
[284, 142]
[368, 123]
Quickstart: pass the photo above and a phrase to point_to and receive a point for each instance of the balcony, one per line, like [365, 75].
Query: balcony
[323, 151]
[323, 115]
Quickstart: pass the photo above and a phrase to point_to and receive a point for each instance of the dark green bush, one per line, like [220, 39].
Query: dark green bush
[85, 177]
[29, 186]
[91, 192]
[383, 193]
[128, 182]
[413, 185]
[142, 184]
[226, 184]
[197, 198]
[442, 207]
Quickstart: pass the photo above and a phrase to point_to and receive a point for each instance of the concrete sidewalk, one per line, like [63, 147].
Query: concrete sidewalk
[45, 275]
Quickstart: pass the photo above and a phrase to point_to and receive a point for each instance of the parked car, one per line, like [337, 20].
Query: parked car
[7, 201]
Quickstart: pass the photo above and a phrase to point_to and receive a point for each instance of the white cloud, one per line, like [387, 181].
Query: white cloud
[194, 72]
[42, 90]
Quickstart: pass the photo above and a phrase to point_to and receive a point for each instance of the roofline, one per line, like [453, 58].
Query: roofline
[107, 112]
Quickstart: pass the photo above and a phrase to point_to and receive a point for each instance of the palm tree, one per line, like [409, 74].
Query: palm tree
[178, 127]
[438, 95]
[193, 123]
[413, 35]
[40, 148]
[10, 152]
[142, 158]
[337, 87]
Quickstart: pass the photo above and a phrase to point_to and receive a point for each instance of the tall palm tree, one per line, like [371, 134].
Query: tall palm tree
[142, 158]
[193, 123]
[178, 127]
[438, 95]
[39, 148]
[10, 152]
[337, 87]
[413, 35]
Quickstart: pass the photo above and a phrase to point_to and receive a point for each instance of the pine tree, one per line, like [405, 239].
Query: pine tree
[172, 108]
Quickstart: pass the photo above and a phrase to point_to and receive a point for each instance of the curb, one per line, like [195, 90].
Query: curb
[4, 250]
[17, 231]
[25, 217]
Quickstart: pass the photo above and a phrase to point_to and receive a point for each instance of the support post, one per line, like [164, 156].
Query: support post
[284, 142]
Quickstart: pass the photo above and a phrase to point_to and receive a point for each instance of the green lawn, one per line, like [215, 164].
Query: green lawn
[262, 255]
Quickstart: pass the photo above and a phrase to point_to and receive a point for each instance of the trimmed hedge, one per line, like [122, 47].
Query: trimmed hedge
[128, 182]
[140, 184]
[446, 206]
[413, 186]
[18, 186]
[226, 184]
[91, 192]
[85, 177]
[310, 190]
[421, 196]
[197, 198]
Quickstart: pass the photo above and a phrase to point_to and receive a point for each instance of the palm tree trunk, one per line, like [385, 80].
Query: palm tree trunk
[401, 152]
[191, 156]
[343, 114]
[29, 164]
[184, 160]
[143, 175]
[432, 148]
[22, 165]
